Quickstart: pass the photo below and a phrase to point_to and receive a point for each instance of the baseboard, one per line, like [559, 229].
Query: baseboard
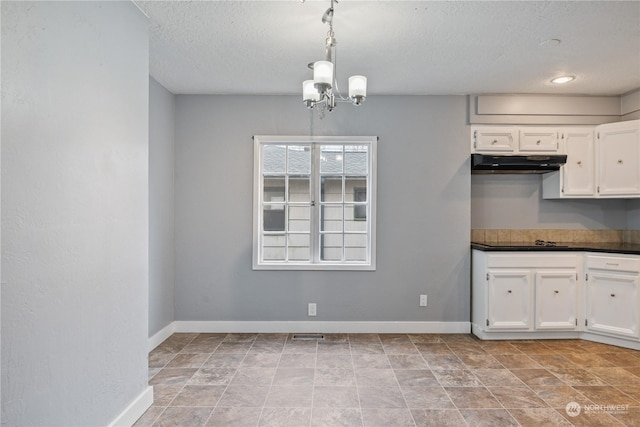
[324, 327]
[620, 342]
[135, 410]
[161, 335]
[479, 332]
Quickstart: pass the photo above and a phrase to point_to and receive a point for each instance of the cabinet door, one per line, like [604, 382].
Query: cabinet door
[578, 174]
[612, 303]
[556, 300]
[534, 140]
[494, 139]
[509, 299]
[619, 158]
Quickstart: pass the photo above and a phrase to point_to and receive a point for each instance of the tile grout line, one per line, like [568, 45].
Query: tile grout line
[355, 380]
[182, 388]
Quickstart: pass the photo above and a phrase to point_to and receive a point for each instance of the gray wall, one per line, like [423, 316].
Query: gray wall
[161, 206]
[634, 215]
[515, 201]
[423, 211]
[74, 211]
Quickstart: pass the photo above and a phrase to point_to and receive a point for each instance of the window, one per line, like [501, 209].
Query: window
[314, 203]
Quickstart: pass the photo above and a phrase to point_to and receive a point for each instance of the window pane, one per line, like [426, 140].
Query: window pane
[355, 254]
[299, 247]
[355, 189]
[331, 159]
[273, 189]
[273, 248]
[274, 159]
[351, 221]
[331, 189]
[299, 161]
[356, 159]
[299, 218]
[299, 189]
[331, 218]
[355, 247]
[331, 247]
[273, 219]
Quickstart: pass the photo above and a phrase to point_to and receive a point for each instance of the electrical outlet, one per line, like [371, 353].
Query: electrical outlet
[423, 300]
[312, 309]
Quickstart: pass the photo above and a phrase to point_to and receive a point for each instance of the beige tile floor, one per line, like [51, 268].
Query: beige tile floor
[389, 380]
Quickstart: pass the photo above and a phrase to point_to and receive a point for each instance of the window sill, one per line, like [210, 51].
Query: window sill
[315, 267]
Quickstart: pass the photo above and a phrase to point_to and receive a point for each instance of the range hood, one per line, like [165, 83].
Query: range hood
[520, 164]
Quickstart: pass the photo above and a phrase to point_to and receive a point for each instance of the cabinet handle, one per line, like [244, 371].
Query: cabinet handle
[494, 142]
[579, 162]
[613, 263]
[620, 161]
[538, 142]
[557, 292]
[613, 295]
[509, 291]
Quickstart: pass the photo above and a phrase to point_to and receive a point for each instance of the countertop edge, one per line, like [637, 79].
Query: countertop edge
[628, 249]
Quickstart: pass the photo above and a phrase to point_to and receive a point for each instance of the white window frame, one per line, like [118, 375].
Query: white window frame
[314, 263]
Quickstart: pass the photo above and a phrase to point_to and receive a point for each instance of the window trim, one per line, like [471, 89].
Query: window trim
[259, 141]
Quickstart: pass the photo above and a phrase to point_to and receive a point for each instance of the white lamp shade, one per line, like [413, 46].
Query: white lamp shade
[357, 86]
[309, 92]
[323, 72]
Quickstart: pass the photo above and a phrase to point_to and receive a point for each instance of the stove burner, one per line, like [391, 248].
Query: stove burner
[545, 243]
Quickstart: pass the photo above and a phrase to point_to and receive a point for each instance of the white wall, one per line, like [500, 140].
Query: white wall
[74, 211]
[423, 212]
[515, 201]
[161, 210]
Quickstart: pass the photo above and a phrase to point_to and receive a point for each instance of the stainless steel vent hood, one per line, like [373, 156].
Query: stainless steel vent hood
[520, 164]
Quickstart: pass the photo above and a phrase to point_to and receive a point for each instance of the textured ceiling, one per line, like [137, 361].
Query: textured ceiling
[403, 47]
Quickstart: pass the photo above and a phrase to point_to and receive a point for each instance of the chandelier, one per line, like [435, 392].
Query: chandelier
[323, 89]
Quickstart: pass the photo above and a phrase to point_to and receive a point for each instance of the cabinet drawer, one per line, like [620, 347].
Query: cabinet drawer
[613, 263]
[538, 139]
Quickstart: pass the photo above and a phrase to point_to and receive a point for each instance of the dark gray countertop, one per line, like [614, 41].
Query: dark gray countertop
[618, 248]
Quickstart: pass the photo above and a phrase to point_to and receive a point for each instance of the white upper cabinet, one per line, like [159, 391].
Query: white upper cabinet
[577, 178]
[602, 162]
[494, 140]
[619, 159]
[536, 140]
[578, 174]
[514, 140]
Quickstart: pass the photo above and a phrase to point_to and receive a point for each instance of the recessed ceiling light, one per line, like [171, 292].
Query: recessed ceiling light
[563, 79]
[550, 42]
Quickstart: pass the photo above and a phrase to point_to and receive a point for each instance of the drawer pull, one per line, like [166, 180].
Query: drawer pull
[579, 162]
[615, 264]
[620, 161]
[509, 291]
[613, 295]
[538, 142]
[494, 142]
[557, 292]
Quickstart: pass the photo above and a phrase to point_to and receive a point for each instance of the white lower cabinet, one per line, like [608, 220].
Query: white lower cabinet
[612, 300]
[509, 299]
[556, 300]
[524, 292]
[556, 294]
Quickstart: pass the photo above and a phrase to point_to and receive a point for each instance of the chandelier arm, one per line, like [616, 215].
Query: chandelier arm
[339, 96]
